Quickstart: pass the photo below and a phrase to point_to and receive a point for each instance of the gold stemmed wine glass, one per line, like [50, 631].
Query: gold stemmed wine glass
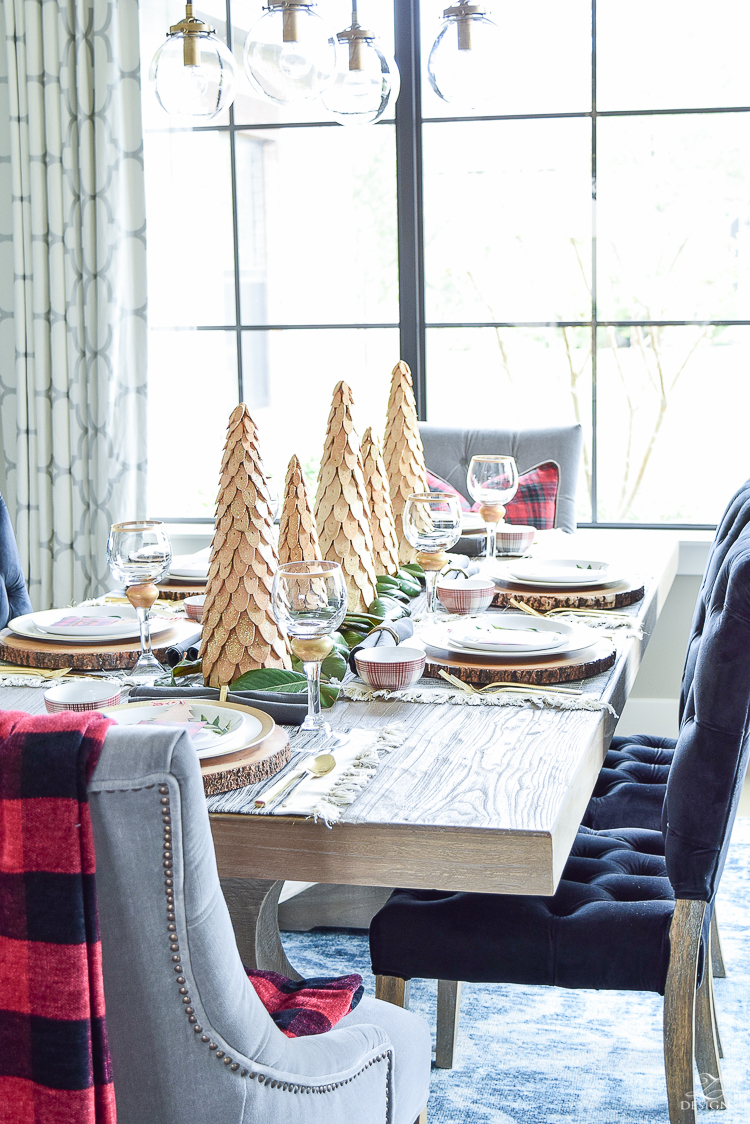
[139, 555]
[432, 524]
[309, 603]
[492, 480]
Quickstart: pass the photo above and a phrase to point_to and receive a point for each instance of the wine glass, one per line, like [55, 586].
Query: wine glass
[138, 555]
[309, 603]
[492, 481]
[432, 523]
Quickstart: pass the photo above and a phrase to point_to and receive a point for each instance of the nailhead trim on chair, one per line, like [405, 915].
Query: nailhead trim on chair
[182, 989]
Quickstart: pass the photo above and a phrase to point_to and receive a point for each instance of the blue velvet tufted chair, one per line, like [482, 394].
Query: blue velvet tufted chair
[633, 907]
[14, 600]
[630, 788]
[191, 1042]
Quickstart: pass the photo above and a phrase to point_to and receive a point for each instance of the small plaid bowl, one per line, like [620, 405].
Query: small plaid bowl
[194, 607]
[512, 539]
[81, 695]
[466, 595]
[390, 668]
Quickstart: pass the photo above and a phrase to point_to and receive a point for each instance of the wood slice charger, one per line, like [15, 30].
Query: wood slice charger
[246, 766]
[116, 655]
[177, 589]
[543, 672]
[614, 597]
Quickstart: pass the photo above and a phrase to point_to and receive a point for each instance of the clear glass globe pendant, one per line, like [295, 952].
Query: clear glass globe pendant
[290, 53]
[366, 81]
[193, 73]
[463, 62]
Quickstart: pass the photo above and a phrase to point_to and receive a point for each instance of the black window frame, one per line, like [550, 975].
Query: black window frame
[413, 325]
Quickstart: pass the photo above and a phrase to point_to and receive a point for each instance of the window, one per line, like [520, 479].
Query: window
[580, 250]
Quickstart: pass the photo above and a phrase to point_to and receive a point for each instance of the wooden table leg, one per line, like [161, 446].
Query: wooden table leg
[253, 907]
[448, 1011]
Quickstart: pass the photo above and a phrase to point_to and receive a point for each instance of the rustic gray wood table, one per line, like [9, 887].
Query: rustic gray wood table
[476, 798]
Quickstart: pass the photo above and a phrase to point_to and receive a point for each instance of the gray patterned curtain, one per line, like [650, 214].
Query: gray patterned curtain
[72, 286]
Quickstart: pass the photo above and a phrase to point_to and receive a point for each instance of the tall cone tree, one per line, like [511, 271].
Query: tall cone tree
[298, 537]
[341, 509]
[403, 452]
[239, 629]
[382, 525]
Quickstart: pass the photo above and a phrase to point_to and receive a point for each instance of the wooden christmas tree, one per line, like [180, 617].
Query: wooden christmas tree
[382, 526]
[403, 453]
[239, 629]
[341, 510]
[298, 538]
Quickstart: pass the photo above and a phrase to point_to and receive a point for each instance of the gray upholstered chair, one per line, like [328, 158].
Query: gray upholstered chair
[448, 451]
[190, 1040]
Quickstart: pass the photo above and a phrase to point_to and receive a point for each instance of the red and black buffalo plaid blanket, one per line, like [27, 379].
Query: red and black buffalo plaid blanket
[302, 1007]
[54, 1060]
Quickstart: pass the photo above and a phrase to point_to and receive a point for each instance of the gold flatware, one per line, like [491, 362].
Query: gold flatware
[40, 672]
[319, 766]
[524, 608]
[512, 688]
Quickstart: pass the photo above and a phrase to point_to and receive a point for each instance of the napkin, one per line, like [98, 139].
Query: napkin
[186, 649]
[357, 760]
[278, 704]
[471, 568]
[403, 628]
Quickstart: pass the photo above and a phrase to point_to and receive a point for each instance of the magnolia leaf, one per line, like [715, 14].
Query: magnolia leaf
[268, 679]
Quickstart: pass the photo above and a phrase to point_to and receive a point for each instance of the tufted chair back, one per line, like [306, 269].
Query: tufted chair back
[449, 450]
[710, 759]
[190, 1040]
[733, 522]
[14, 599]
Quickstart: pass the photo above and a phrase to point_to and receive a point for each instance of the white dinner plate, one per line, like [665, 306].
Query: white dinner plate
[557, 573]
[242, 726]
[436, 636]
[36, 626]
[510, 634]
[191, 567]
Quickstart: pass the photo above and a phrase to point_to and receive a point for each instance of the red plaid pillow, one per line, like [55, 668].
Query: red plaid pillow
[534, 504]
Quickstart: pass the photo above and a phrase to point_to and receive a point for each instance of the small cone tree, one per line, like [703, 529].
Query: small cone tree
[239, 629]
[341, 509]
[382, 525]
[403, 453]
[298, 538]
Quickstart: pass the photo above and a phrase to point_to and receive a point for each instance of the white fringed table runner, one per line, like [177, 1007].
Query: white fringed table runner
[325, 798]
[424, 692]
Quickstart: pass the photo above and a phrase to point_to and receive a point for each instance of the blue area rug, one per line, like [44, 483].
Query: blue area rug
[550, 1056]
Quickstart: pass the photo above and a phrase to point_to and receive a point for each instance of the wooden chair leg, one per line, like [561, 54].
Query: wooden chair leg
[679, 1009]
[448, 1012]
[422, 1118]
[717, 958]
[392, 989]
[707, 1046]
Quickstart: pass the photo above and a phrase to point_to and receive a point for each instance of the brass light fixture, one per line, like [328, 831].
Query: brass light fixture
[463, 62]
[366, 81]
[193, 73]
[290, 53]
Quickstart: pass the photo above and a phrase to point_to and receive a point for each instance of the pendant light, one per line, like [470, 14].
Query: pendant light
[290, 53]
[463, 62]
[366, 81]
[193, 73]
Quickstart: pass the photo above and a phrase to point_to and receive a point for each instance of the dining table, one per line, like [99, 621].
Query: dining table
[474, 798]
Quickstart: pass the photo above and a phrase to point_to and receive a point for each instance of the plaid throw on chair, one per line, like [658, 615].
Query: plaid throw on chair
[54, 1060]
[534, 504]
[302, 1007]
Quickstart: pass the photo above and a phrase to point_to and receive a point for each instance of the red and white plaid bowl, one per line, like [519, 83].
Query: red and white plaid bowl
[390, 668]
[513, 539]
[194, 607]
[466, 595]
[81, 695]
